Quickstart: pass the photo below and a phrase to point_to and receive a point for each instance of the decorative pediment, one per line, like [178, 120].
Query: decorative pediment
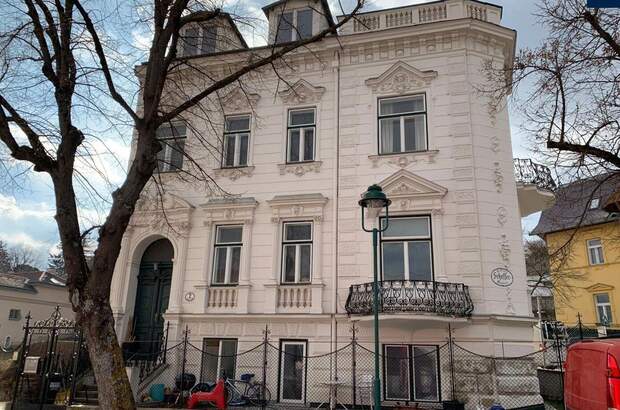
[400, 78]
[302, 92]
[411, 192]
[229, 210]
[600, 287]
[239, 100]
[297, 206]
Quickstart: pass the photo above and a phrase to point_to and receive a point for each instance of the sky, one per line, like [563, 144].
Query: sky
[27, 212]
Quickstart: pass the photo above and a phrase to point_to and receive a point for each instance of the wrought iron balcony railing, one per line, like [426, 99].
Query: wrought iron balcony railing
[529, 172]
[445, 299]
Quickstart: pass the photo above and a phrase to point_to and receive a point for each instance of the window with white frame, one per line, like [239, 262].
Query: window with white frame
[406, 249]
[603, 308]
[15, 314]
[227, 254]
[301, 135]
[402, 124]
[595, 252]
[172, 139]
[594, 203]
[297, 252]
[198, 39]
[236, 141]
[294, 25]
[218, 359]
[400, 361]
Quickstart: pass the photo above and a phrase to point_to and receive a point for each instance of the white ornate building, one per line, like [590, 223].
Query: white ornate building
[391, 101]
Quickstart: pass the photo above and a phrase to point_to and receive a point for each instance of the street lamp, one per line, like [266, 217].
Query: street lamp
[374, 200]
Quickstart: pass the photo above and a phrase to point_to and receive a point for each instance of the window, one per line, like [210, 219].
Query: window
[218, 359]
[301, 135]
[236, 141]
[603, 308]
[15, 314]
[297, 252]
[172, 139]
[402, 360]
[199, 39]
[594, 203]
[406, 249]
[402, 124]
[294, 25]
[595, 252]
[227, 259]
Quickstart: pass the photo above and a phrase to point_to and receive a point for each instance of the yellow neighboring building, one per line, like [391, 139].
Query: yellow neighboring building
[582, 232]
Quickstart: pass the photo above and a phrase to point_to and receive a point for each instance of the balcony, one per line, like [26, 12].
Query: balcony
[535, 186]
[422, 14]
[405, 296]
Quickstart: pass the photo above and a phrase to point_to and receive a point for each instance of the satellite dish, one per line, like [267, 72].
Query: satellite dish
[7, 345]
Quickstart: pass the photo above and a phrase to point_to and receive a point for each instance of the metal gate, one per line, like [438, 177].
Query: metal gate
[50, 362]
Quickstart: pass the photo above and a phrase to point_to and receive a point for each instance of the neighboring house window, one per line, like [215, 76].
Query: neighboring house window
[301, 135]
[402, 360]
[402, 124]
[294, 25]
[15, 314]
[218, 359]
[236, 141]
[297, 252]
[199, 39]
[595, 252]
[227, 260]
[603, 308]
[406, 249]
[172, 138]
[594, 203]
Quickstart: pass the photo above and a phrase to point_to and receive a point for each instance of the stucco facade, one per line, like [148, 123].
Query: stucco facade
[462, 182]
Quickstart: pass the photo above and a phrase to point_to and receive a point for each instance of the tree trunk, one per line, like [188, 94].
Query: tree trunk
[106, 355]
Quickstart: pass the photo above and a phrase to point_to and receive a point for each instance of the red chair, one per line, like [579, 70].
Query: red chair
[217, 396]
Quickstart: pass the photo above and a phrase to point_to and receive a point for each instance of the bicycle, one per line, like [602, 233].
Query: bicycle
[254, 393]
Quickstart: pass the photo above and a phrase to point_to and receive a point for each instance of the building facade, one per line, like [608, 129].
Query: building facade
[390, 101]
[582, 231]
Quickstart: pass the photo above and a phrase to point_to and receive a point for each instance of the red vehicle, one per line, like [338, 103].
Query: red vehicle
[592, 375]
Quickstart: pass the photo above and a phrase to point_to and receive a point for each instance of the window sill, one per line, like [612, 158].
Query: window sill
[234, 173]
[404, 159]
[300, 168]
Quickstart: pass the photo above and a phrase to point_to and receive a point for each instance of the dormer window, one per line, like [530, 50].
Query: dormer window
[294, 25]
[594, 203]
[199, 39]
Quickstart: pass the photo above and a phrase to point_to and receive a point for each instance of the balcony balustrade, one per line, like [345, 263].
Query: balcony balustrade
[406, 296]
[528, 172]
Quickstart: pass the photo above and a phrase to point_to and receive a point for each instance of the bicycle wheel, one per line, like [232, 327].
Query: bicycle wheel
[255, 394]
[233, 397]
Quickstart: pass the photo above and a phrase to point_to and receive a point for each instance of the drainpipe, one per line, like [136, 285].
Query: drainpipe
[335, 190]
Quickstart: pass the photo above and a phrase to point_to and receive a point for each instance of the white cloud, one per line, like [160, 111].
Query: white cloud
[9, 208]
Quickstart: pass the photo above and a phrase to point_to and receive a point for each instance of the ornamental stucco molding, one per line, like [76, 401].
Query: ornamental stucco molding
[297, 206]
[301, 168]
[498, 177]
[233, 173]
[411, 192]
[400, 78]
[302, 92]
[169, 214]
[238, 100]
[229, 210]
[405, 159]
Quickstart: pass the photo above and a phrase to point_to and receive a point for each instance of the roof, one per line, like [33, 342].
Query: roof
[32, 278]
[324, 3]
[572, 205]
[16, 283]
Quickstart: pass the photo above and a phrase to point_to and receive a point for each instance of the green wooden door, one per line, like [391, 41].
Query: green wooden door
[152, 299]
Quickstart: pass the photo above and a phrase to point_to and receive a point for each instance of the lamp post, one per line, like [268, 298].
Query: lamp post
[374, 199]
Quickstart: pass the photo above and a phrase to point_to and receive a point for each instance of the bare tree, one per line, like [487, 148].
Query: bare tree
[60, 69]
[22, 259]
[568, 88]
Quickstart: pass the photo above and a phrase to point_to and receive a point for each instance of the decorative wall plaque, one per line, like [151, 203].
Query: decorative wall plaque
[502, 277]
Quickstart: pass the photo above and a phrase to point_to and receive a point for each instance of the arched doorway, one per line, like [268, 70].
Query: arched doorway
[152, 296]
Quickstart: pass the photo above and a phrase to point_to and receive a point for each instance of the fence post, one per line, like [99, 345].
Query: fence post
[185, 342]
[265, 343]
[166, 342]
[354, 363]
[559, 353]
[77, 350]
[47, 366]
[580, 326]
[451, 349]
[20, 361]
